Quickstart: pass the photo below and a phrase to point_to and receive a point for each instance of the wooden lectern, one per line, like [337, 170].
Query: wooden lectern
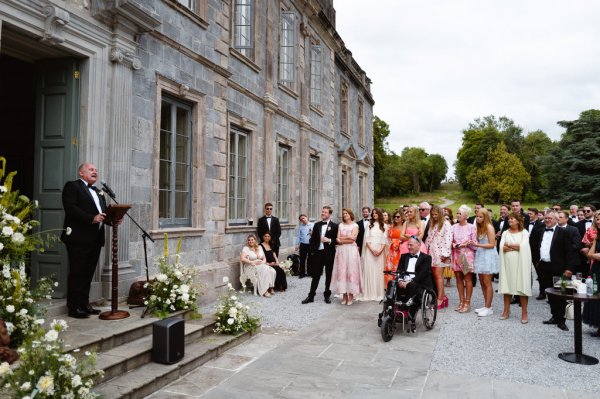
[114, 215]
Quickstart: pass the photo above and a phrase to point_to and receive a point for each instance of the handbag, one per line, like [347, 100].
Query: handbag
[569, 312]
[463, 262]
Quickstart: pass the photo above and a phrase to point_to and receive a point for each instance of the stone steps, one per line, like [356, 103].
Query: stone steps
[124, 350]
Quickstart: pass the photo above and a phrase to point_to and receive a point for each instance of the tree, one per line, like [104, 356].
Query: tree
[438, 168]
[502, 179]
[481, 135]
[572, 168]
[536, 145]
[381, 131]
[413, 162]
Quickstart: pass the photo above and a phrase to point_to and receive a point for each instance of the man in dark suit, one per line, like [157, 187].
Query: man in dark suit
[322, 253]
[424, 211]
[85, 209]
[502, 224]
[471, 219]
[269, 224]
[362, 227]
[416, 268]
[553, 254]
[583, 225]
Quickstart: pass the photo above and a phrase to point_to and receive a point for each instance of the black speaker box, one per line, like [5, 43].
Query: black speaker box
[168, 341]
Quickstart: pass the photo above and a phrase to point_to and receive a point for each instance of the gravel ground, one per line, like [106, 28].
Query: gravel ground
[467, 344]
[284, 309]
[507, 349]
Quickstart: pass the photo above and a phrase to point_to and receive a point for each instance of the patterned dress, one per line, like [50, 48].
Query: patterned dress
[393, 257]
[439, 244]
[346, 277]
[461, 234]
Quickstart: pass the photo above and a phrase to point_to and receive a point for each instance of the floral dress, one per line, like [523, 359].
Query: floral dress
[461, 234]
[393, 257]
[346, 277]
[439, 244]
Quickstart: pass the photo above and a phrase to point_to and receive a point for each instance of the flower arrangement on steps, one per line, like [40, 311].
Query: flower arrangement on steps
[44, 370]
[175, 287]
[233, 317]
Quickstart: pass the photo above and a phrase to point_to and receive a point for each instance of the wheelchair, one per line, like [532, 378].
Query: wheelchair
[399, 308]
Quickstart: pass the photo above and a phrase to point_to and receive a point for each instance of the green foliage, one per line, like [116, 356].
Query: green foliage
[381, 131]
[573, 166]
[503, 177]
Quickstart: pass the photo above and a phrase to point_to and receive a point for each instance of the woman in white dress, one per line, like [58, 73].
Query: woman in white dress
[373, 258]
[252, 254]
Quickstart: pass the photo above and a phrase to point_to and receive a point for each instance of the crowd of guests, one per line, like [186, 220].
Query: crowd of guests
[473, 246]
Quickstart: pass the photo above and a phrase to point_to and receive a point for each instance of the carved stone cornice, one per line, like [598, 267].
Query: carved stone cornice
[270, 103]
[56, 19]
[122, 56]
[144, 19]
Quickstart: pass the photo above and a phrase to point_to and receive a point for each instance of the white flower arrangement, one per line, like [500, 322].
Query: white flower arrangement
[286, 265]
[233, 317]
[174, 288]
[45, 371]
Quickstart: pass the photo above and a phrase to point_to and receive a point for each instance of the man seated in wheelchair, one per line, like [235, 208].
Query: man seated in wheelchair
[414, 278]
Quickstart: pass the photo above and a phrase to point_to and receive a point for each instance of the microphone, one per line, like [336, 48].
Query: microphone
[108, 190]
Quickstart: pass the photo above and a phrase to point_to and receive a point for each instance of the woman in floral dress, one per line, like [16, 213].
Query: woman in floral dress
[346, 276]
[463, 256]
[393, 256]
[439, 246]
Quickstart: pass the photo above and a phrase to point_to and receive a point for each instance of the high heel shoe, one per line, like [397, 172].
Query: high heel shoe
[504, 316]
[459, 307]
[466, 308]
[440, 304]
[445, 301]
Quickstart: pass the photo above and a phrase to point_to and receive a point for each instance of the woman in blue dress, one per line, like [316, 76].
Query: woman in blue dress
[487, 262]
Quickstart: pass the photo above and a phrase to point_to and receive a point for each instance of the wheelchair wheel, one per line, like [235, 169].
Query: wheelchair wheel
[387, 328]
[429, 309]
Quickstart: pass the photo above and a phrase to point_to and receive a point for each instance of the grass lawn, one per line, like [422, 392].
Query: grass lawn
[449, 192]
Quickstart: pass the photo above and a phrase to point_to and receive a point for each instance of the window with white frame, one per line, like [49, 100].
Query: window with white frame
[287, 47]
[191, 4]
[344, 189]
[238, 176]
[316, 75]
[283, 182]
[175, 177]
[243, 30]
[313, 187]
[344, 107]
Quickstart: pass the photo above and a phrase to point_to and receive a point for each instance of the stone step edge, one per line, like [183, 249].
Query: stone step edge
[139, 352]
[124, 334]
[152, 376]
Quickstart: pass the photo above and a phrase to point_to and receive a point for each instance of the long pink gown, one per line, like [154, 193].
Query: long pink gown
[346, 277]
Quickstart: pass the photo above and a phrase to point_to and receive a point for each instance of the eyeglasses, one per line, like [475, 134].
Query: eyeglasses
[422, 210]
[587, 210]
[397, 216]
[269, 209]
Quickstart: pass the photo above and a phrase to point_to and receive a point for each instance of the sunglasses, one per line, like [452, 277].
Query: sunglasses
[397, 216]
[556, 209]
[422, 210]
[587, 210]
[269, 209]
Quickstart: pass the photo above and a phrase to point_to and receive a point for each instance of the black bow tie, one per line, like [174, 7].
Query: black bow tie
[92, 187]
[549, 230]
[588, 220]
[413, 256]
[423, 218]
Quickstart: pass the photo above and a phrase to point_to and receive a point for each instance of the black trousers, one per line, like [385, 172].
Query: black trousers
[304, 257]
[319, 260]
[557, 305]
[83, 259]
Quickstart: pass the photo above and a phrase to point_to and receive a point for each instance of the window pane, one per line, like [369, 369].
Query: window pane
[182, 149]
[164, 179]
[181, 177]
[165, 144]
[242, 30]
[163, 204]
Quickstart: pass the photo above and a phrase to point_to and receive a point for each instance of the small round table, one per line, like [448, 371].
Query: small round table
[577, 356]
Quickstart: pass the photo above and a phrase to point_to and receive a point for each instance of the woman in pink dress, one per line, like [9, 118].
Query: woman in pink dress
[439, 246]
[346, 278]
[463, 257]
[413, 226]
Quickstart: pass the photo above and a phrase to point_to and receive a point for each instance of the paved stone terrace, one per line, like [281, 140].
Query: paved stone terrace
[342, 355]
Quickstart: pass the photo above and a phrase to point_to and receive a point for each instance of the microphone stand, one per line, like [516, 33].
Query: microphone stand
[144, 236]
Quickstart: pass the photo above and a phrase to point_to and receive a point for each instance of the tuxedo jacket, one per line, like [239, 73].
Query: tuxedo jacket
[581, 227]
[562, 254]
[422, 269]
[425, 229]
[275, 231]
[361, 233]
[80, 210]
[315, 239]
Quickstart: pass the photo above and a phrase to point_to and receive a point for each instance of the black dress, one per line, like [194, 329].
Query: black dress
[280, 279]
[591, 310]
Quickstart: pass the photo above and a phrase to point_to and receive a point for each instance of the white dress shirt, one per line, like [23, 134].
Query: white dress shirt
[323, 232]
[546, 243]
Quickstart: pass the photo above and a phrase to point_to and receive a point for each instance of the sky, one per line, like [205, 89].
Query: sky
[436, 65]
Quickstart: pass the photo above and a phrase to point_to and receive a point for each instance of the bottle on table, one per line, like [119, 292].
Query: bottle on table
[589, 284]
[595, 285]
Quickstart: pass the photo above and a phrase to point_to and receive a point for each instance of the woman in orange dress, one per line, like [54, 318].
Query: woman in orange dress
[393, 257]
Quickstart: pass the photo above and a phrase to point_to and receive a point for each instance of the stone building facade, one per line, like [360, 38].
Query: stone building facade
[197, 112]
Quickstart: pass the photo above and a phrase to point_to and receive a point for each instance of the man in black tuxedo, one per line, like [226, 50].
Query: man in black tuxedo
[534, 223]
[471, 219]
[502, 224]
[362, 227]
[269, 224]
[416, 267]
[322, 253]
[424, 211]
[553, 254]
[85, 209]
[583, 225]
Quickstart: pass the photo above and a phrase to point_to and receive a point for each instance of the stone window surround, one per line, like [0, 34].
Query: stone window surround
[199, 14]
[197, 101]
[249, 61]
[285, 6]
[314, 45]
[282, 141]
[344, 123]
[252, 128]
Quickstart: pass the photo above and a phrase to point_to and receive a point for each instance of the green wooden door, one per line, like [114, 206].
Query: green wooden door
[56, 135]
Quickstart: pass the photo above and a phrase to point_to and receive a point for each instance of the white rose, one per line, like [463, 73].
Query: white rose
[9, 327]
[26, 386]
[23, 312]
[18, 238]
[184, 288]
[234, 298]
[10, 308]
[51, 336]
[4, 368]
[161, 277]
[230, 321]
[46, 385]
[185, 297]
[76, 381]
[7, 231]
